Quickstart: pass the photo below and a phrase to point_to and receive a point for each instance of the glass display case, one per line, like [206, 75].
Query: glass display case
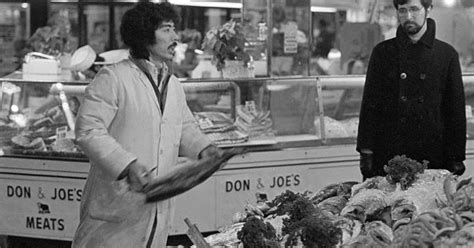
[37, 115]
[299, 131]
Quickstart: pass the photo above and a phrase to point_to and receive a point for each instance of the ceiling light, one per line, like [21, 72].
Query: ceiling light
[206, 4]
[449, 3]
[323, 9]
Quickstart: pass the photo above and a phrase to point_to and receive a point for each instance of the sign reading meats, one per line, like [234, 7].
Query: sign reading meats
[40, 206]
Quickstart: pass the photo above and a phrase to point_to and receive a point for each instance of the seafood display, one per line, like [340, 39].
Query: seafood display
[420, 208]
[249, 123]
[185, 176]
[43, 132]
[220, 128]
[256, 123]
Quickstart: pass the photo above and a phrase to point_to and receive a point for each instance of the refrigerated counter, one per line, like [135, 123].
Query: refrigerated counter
[300, 133]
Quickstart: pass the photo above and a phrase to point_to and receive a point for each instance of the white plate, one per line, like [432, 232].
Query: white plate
[82, 58]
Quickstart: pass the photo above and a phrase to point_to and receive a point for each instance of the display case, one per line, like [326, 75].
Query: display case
[37, 115]
[300, 133]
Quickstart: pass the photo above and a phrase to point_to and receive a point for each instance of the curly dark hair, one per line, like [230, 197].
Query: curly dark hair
[426, 3]
[140, 22]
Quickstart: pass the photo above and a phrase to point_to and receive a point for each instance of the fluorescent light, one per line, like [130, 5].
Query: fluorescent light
[323, 9]
[64, 1]
[206, 4]
[449, 3]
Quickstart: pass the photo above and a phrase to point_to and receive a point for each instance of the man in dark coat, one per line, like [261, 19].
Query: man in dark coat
[413, 100]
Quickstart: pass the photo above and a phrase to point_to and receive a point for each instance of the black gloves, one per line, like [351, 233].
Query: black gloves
[457, 168]
[366, 165]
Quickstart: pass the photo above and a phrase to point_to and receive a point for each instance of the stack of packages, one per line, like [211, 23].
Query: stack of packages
[256, 123]
[220, 128]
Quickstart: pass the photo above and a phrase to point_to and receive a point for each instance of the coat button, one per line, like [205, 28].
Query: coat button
[422, 76]
[403, 98]
[403, 75]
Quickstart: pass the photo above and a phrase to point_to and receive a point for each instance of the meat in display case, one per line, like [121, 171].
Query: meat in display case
[37, 119]
[300, 135]
[37, 116]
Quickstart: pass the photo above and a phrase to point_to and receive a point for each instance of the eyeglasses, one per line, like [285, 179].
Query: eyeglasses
[414, 10]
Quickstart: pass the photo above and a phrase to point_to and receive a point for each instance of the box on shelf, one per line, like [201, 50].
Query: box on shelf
[39, 65]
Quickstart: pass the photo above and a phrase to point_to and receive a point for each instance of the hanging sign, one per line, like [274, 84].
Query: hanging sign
[290, 45]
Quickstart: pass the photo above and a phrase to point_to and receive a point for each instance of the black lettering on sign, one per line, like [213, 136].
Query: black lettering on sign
[297, 179]
[60, 225]
[42, 223]
[30, 222]
[285, 181]
[237, 185]
[18, 191]
[78, 195]
[67, 194]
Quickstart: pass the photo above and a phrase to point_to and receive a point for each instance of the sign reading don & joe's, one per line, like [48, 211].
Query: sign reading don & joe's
[40, 207]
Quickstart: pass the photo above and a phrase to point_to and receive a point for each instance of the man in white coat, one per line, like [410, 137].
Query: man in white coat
[132, 125]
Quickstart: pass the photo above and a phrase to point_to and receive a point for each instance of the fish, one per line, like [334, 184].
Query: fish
[379, 232]
[187, 176]
[334, 204]
[326, 192]
[351, 229]
[366, 202]
[403, 208]
[335, 189]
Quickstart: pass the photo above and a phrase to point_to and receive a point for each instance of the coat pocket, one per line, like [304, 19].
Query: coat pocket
[116, 203]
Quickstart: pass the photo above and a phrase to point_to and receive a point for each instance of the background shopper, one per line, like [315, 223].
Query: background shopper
[413, 101]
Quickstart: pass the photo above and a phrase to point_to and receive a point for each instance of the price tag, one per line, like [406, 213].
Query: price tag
[61, 132]
[290, 45]
[205, 123]
[250, 106]
[262, 31]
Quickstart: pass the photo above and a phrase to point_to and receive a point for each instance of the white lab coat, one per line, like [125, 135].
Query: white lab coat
[120, 121]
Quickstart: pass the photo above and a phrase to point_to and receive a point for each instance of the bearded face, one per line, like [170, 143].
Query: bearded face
[412, 16]
[411, 27]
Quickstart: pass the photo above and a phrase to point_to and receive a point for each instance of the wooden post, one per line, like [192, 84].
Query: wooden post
[196, 236]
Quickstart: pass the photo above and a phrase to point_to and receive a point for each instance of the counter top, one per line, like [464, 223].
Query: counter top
[65, 77]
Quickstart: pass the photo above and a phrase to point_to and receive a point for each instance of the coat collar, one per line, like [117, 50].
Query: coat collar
[150, 67]
[427, 39]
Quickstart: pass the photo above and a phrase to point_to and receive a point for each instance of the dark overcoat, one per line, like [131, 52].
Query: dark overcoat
[413, 102]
